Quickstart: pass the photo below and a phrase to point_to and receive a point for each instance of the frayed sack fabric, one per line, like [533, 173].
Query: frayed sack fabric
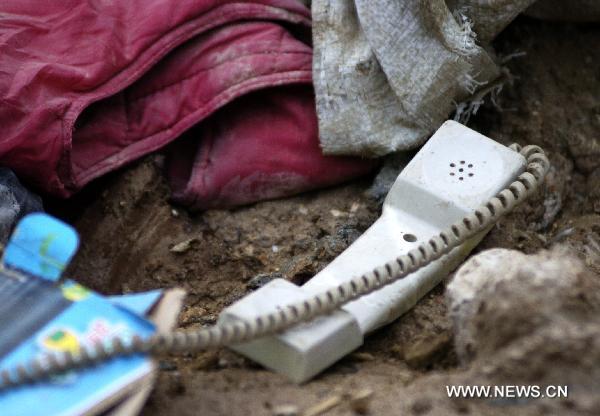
[87, 87]
[387, 72]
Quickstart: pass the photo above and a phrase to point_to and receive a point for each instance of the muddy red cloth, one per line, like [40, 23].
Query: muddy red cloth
[261, 146]
[86, 87]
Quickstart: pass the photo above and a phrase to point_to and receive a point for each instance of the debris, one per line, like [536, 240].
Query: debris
[286, 410]
[358, 401]
[248, 250]
[324, 406]
[337, 213]
[552, 206]
[183, 246]
[561, 235]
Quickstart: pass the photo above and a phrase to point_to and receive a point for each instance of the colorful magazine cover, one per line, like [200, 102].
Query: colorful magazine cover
[40, 316]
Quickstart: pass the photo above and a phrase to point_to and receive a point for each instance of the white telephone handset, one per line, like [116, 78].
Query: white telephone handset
[453, 174]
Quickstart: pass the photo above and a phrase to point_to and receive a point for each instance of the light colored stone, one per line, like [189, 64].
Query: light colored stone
[502, 302]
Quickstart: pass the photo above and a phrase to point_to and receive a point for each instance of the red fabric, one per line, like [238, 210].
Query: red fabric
[88, 86]
[261, 146]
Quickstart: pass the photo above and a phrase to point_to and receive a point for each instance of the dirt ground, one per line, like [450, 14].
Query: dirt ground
[128, 229]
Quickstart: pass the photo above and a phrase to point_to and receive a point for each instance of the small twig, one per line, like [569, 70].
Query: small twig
[358, 401]
[324, 406]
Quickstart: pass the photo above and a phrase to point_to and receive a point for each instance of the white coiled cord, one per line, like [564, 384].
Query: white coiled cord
[287, 316]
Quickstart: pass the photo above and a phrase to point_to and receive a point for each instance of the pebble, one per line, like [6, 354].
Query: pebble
[286, 410]
[183, 246]
[337, 213]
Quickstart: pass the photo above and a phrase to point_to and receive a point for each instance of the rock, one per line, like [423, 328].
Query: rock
[183, 246]
[286, 410]
[527, 317]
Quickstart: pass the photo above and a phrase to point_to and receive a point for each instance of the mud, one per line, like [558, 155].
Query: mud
[133, 239]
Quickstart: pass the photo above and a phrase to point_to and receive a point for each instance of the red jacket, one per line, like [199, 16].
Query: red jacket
[88, 86]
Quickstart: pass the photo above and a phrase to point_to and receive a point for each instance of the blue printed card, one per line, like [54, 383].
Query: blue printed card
[37, 316]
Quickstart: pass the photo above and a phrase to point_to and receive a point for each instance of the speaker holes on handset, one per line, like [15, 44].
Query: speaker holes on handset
[465, 170]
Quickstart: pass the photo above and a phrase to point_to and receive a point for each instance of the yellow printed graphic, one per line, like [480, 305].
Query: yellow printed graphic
[61, 340]
[75, 292]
